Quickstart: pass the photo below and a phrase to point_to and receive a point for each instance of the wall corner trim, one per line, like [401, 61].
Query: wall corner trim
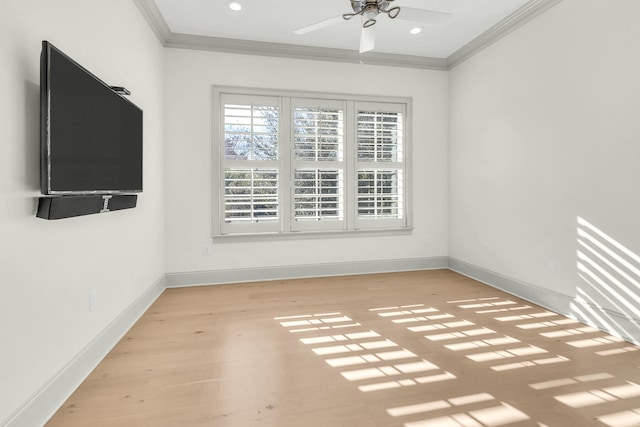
[43, 404]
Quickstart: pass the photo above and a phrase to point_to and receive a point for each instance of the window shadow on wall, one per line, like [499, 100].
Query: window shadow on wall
[609, 291]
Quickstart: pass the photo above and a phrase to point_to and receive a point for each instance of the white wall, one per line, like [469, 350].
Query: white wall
[544, 130]
[48, 268]
[190, 76]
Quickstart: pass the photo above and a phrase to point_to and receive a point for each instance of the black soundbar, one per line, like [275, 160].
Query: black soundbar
[58, 207]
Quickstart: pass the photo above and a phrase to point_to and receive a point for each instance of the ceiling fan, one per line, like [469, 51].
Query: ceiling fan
[369, 10]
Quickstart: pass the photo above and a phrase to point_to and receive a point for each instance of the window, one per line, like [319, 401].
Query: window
[295, 163]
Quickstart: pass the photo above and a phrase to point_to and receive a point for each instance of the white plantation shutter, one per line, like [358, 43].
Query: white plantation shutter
[380, 194]
[251, 195]
[380, 165]
[318, 195]
[251, 132]
[251, 174]
[318, 165]
[318, 132]
[380, 136]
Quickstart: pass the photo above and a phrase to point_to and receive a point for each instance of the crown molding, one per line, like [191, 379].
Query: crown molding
[521, 16]
[156, 21]
[249, 47]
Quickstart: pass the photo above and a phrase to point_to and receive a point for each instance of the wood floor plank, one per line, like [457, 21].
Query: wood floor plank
[427, 348]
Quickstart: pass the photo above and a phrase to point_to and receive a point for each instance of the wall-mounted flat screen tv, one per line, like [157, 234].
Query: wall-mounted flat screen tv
[91, 136]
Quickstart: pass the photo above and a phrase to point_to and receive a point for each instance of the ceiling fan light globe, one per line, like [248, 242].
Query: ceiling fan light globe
[370, 11]
[393, 12]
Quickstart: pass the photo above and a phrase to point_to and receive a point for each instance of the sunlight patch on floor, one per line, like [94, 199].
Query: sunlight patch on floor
[615, 351]
[506, 354]
[550, 324]
[491, 342]
[497, 414]
[582, 399]
[461, 334]
[561, 382]
[530, 363]
[539, 315]
[362, 348]
[630, 418]
[595, 342]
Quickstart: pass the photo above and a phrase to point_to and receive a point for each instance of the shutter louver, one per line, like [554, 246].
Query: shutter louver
[379, 137]
[380, 194]
[318, 194]
[318, 134]
[250, 195]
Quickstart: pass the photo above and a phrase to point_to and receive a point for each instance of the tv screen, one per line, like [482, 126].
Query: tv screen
[91, 137]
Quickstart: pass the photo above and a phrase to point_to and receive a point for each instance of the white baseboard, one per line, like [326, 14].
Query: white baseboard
[216, 277]
[41, 406]
[546, 298]
[606, 320]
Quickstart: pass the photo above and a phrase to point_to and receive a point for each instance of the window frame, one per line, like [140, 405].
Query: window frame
[286, 164]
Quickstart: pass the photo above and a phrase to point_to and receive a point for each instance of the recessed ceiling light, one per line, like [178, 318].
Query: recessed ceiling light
[236, 6]
[416, 30]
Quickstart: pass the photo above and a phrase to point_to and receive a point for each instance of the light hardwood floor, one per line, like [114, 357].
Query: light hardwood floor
[429, 348]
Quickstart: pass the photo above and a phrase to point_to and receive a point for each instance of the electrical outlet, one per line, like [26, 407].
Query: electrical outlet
[486, 248]
[206, 250]
[93, 300]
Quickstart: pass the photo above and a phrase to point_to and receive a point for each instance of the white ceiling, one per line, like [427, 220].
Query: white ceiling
[274, 21]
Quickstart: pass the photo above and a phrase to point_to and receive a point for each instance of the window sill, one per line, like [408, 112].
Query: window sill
[306, 235]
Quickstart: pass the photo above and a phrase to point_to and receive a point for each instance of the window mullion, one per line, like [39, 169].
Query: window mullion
[351, 152]
[286, 182]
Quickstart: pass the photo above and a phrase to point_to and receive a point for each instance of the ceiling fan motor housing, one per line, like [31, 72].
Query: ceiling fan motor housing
[369, 5]
[370, 9]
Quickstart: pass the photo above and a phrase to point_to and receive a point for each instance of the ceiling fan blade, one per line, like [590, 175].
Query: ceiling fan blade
[319, 25]
[423, 16]
[367, 39]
